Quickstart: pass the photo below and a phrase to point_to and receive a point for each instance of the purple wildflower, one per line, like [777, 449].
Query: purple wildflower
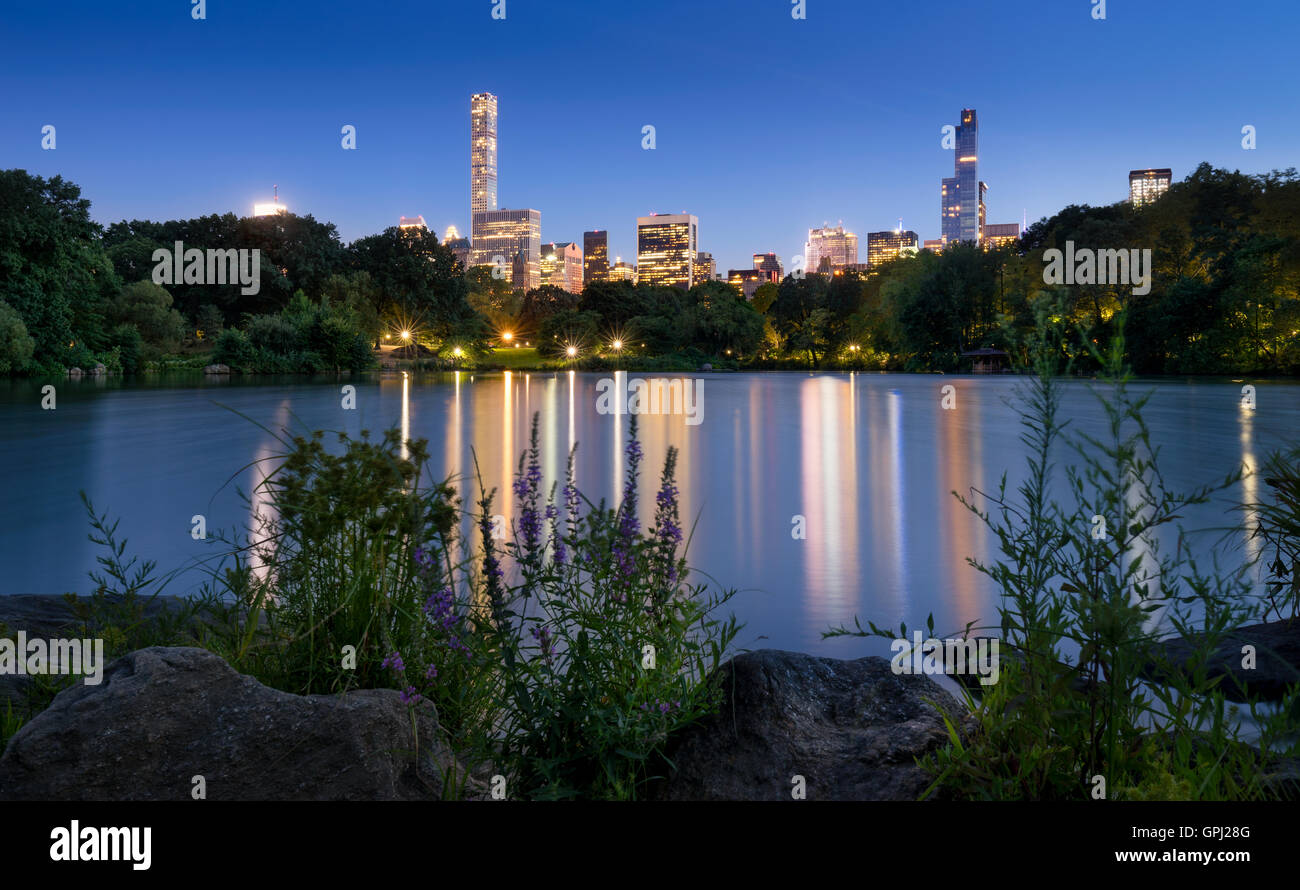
[410, 696]
[394, 663]
[544, 642]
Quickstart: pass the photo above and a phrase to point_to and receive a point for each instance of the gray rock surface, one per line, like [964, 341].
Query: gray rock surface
[164, 715]
[1277, 660]
[852, 729]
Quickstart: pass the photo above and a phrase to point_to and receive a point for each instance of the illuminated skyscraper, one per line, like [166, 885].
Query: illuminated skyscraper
[459, 246]
[885, 246]
[411, 222]
[838, 247]
[561, 265]
[1144, 186]
[963, 193]
[746, 281]
[770, 267]
[482, 152]
[1000, 234]
[622, 271]
[667, 245]
[512, 238]
[704, 266]
[595, 256]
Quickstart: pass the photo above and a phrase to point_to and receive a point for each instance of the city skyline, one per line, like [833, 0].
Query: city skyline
[878, 157]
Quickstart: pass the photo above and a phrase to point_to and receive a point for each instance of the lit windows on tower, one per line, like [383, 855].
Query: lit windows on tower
[667, 245]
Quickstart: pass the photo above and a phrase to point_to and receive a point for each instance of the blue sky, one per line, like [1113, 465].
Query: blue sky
[765, 125]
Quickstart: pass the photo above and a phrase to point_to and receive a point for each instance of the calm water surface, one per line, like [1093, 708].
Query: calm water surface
[869, 461]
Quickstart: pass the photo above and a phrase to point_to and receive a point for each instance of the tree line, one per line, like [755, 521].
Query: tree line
[1224, 296]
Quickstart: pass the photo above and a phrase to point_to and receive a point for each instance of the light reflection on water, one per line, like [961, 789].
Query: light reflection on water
[868, 461]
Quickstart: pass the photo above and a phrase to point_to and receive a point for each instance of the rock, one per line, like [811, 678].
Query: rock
[164, 715]
[706, 367]
[852, 729]
[1277, 660]
[76, 372]
[99, 370]
[216, 369]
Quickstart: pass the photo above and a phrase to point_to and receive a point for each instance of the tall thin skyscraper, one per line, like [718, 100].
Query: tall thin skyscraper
[595, 252]
[483, 152]
[962, 193]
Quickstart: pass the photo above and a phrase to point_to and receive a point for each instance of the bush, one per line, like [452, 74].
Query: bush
[234, 348]
[530, 648]
[126, 340]
[16, 346]
[1083, 615]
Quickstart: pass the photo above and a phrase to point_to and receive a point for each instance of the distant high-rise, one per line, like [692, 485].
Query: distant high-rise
[667, 245]
[411, 222]
[885, 246]
[838, 247]
[747, 281]
[459, 246]
[1144, 186]
[963, 193]
[595, 256]
[622, 271]
[561, 265]
[704, 266]
[770, 267]
[512, 238]
[1000, 234]
[482, 152]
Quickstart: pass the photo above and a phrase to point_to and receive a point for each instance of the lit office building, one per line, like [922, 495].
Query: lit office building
[269, 208]
[561, 265]
[1000, 234]
[458, 245]
[595, 256]
[704, 267]
[622, 271]
[885, 246]
[747, 281]
[513, 236]
[411, 222]
[1144, 186]
[770, 265]
[837, 247]
[667, 245]
[482, 152]
[934, 245]
[963, 193]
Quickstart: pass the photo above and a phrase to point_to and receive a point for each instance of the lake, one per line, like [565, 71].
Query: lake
[868, 461]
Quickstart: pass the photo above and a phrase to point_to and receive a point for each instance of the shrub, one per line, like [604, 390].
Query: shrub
[1091, 693]
[532, 647]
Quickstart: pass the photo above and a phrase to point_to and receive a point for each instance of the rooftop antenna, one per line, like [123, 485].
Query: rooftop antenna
[276, 199]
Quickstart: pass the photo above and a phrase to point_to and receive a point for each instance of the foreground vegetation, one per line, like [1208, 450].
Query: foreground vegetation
[1075, 712]
[559, 648]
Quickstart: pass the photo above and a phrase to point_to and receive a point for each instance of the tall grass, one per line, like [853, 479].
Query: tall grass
[1082, 615]
[558, 650]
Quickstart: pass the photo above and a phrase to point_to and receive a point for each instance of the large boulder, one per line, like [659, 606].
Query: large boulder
[216, 370]
[162, 716]
[1277, 660]
[852, 729]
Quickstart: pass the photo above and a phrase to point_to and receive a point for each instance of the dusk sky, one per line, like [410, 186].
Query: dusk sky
[766, 126]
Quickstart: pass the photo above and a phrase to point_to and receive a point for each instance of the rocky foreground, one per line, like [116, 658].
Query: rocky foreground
[165, 716]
